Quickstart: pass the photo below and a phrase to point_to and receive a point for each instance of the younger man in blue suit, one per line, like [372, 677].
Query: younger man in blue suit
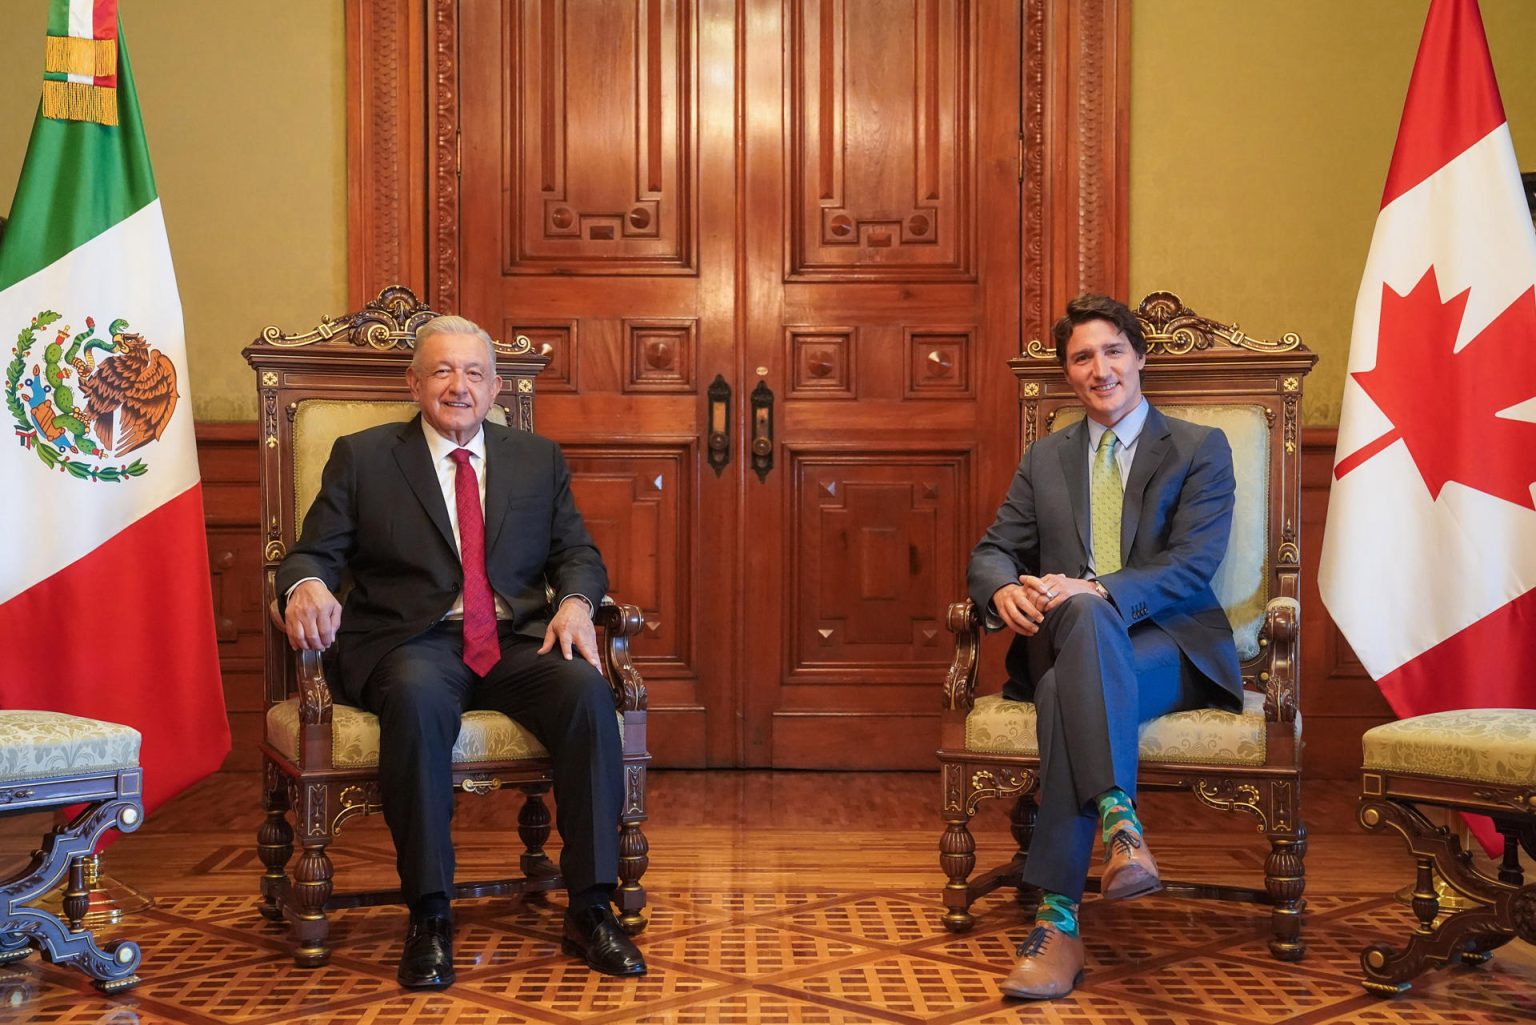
[1100, 560]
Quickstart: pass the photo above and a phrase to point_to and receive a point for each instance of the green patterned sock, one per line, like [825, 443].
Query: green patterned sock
[1058, 911]
[1117, 812]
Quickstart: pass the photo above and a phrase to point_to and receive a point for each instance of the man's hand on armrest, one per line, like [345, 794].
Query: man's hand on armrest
[312, 616]
[572, 627]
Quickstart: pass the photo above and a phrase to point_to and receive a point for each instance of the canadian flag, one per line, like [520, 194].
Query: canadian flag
[1429, 552]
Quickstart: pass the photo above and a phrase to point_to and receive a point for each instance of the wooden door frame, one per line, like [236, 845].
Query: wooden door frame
[403, 145]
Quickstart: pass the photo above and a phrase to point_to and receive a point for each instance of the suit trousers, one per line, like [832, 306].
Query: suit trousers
[420, 690]
[1096, 682]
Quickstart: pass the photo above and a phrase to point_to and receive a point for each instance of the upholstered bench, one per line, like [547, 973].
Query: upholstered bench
[52, 760]
[1481, 761]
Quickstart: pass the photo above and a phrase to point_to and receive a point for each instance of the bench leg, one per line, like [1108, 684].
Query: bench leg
[64, 851]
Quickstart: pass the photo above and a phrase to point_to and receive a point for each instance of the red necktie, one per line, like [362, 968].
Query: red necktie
[482, 648]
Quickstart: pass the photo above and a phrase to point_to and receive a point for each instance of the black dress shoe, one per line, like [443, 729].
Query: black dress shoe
[427, 962]
[593, 935]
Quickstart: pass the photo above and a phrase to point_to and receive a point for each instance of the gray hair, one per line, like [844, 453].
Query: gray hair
[450, 325]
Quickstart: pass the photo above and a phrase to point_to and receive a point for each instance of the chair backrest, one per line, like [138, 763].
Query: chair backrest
[343, 376]
[1212, 373]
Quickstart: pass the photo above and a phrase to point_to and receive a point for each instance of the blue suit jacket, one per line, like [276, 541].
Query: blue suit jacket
[1173, 534]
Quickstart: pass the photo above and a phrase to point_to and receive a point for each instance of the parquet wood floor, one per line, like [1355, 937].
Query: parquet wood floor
[775, 898]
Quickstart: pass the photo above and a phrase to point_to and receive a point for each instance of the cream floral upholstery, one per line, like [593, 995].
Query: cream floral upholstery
[1485, 745]
[483, 736]
[1240, 578]
[1204, 736]
[38, 744]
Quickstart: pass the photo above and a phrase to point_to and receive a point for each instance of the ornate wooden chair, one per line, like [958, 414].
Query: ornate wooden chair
[1200, 370]
[321, 757]
[49, 760]
[1482, 761]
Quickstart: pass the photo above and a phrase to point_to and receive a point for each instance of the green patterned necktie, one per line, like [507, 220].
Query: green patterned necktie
[1106, 495]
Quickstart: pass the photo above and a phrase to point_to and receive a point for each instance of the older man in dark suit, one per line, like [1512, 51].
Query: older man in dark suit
[1101, 559]
[449, 529]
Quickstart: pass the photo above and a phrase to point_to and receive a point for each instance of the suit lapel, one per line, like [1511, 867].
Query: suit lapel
[1074, 466]
[1150, 452]
[498, 481]
[415, 462]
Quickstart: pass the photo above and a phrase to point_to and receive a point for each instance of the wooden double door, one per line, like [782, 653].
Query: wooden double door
[774, 248]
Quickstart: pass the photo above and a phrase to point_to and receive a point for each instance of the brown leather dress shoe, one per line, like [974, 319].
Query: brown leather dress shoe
[1050, 964]
[427, 962]
[1129, 869]
[593, 935]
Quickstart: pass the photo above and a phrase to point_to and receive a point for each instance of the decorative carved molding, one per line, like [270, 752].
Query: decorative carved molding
[1034, 316]
[445, 154]
[1173, 329]
[997, 781]
[388, 321]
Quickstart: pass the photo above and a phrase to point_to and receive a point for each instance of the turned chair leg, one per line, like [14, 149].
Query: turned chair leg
[633, 861]
[274, 845]
[1285, 880]
[957, 858]
[310, 889]
[533, 823]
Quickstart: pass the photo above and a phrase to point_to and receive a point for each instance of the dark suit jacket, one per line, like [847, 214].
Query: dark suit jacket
[380, 525]
[1173, 534]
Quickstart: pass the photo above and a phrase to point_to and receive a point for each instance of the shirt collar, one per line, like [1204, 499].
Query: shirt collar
[1126, 431]
[440, 446]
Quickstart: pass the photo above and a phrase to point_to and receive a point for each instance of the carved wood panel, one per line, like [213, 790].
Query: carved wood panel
[875, 536]
[847, 201]
[637, 504]
[882, 177]
[598, 169]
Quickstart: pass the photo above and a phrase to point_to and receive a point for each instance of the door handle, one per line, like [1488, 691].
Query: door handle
[762, 430]
[719, 441]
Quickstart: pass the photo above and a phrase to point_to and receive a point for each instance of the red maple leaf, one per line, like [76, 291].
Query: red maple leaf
[1443, 403]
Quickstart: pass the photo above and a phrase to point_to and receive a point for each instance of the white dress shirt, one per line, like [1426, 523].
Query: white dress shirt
[442, 450]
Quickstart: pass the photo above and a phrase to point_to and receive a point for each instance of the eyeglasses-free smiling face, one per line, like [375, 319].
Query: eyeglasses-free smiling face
[453, 380]
[1104, 369]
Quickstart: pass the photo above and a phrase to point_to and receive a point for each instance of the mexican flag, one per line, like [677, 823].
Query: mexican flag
[106, 608]
[1429, 551]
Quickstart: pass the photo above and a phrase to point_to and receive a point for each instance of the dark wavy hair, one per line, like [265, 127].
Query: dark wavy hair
[1097, 307]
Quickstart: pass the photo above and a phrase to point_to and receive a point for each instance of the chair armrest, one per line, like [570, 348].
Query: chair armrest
[964, 621]
[314, 711]
[619, 623]
[1281, 639]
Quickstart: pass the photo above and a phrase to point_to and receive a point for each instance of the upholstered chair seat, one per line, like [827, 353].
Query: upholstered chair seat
[484, 736]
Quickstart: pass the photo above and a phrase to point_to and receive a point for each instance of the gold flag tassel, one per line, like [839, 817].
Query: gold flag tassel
[79, 101]
[70, 55]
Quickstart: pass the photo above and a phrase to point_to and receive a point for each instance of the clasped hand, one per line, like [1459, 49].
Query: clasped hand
[1022, 606]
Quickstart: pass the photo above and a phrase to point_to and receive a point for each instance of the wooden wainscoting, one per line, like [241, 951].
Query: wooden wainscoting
[1339, 701]
[226, 454]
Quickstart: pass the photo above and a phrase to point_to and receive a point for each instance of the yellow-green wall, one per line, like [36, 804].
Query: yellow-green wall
[1260, 136]
[245, 108]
